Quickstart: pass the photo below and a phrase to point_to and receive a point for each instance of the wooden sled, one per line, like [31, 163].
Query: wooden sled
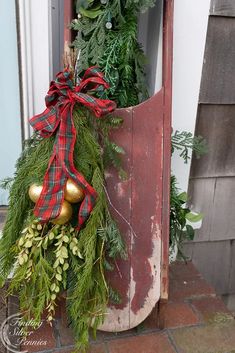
[143, 199]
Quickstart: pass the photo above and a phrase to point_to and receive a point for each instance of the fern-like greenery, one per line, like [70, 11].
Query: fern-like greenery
[184, 142]
[114, 49]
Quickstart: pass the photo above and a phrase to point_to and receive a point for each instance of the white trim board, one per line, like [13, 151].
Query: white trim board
[190, 28]
[35, 56]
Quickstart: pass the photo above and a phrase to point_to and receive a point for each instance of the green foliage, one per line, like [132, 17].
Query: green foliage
[32, 272]
[49, 259]
[123, 64]
[180, 213]
[142, 5]
[87, 290]
[114, 297]
[185, 141]
[116, 50]
[191, 217]
[112, 236]
[91, 39]
[112, 153]
[30, 168]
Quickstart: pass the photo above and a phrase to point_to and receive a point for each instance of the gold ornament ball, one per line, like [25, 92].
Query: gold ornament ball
[73, 192]
[34, 192]
[65, 214]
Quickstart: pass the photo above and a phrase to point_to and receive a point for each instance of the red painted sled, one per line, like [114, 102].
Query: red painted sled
[143, 200]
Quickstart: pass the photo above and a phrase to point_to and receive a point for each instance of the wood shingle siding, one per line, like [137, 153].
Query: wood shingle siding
[218, 75]
[223, 8]
[214, 197]
[212, 177]
[216, 123]
[214, 260]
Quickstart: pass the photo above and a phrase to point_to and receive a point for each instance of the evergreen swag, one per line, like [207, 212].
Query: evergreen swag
[107, 37]
[48, 259]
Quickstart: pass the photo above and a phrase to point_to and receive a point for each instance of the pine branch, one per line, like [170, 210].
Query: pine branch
[115, 50]
[185, 141]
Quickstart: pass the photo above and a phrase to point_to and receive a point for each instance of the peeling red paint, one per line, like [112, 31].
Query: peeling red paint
[143, 188]
[147, 133]
[143, 282]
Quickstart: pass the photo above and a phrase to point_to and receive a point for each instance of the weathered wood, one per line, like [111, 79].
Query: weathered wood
[214, 197]
[147, 269]
[222, 212]
[222, 8]
[201, 196]
[212, 259]
[147, 175]
[68, 15]
[120, 194]
[139, 200]
[212, 183]
[218, 79]
[216, 123]
[168, 15]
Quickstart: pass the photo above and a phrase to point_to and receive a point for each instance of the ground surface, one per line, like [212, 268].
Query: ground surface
[195, 320]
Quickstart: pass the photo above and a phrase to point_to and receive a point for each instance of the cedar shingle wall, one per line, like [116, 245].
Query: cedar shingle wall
[212, 178]
[222, 8]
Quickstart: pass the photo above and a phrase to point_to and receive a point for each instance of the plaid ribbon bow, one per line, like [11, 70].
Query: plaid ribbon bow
[57, 119]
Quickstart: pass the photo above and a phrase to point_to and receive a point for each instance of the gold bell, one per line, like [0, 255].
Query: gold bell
[65, 214]
[73, 192]
[34, 192]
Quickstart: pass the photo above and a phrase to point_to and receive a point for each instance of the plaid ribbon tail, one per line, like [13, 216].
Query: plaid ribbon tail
[67, 163]
[60, 168]
[58, 118]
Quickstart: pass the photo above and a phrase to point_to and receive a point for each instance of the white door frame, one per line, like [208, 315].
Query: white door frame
[36, 24]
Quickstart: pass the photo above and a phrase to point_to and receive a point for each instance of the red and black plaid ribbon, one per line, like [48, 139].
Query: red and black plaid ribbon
[58, 119]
